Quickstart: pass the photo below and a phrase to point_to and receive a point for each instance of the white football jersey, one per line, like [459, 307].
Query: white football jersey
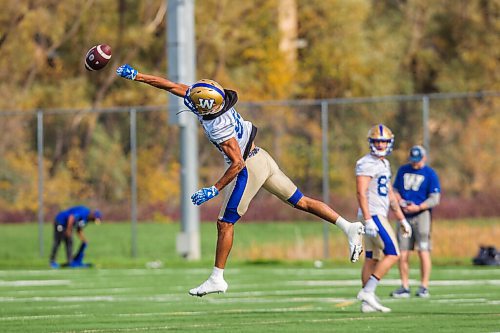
[379, 169]
[228, 125]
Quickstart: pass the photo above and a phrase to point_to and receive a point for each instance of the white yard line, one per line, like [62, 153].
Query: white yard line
[38, 317]
[229, 311]
[226, 325]
[34, 283]
[391, 282]
[94, 298]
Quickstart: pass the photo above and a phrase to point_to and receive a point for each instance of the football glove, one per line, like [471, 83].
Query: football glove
[127, 71]
[204, 194]
[405, 228]
[371, 228]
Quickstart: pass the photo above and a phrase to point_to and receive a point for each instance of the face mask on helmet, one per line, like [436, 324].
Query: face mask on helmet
[207, 96]
[380, 133]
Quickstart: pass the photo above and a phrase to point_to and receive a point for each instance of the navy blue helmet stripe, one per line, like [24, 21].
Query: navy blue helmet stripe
[206, 85]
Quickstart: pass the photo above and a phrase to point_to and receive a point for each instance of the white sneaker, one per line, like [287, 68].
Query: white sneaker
[209, 287]
[371, 299]
[365, 307]
[354, 236]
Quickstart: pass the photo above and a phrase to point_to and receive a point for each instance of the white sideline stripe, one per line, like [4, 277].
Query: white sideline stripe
[237, 298]
[275, 292]
[392, 282]
[465, 282]
[74, 291]
[460, 300]
[58, 299]
[466, 301]
[172, 299]
[226, 325]
[34, 283]
[284, 271]
[43, 317]
[30, 272]
[230, 311]
[315, 271]
[97, 298]
[226, 300]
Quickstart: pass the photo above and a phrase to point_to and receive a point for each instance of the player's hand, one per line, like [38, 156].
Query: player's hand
[371, 228]
[411, 208]
[127, 71]
[405, 228]
[204, 194]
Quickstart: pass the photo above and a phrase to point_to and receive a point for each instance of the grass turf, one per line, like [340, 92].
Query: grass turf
[120, 295]
[110, 243]
[261, 298]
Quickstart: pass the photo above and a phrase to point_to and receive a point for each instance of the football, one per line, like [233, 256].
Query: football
[97, 57]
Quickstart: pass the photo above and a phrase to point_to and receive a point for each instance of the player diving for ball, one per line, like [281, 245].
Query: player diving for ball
[250, 168]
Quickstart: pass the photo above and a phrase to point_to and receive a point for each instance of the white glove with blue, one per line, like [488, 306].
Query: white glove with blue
[127, 72]
[405, 228]
[371, 228]
[204, 194]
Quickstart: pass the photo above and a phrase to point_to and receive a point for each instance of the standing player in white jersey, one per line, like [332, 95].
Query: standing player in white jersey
[375, 196]
[250, 168]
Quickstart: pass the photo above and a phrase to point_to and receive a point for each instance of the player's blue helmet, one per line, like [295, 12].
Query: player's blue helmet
[380, 133]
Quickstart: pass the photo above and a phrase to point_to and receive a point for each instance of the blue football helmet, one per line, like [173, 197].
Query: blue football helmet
[380, 133]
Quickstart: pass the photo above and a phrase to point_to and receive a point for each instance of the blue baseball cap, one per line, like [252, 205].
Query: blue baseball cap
[417, 153]
[97, 214]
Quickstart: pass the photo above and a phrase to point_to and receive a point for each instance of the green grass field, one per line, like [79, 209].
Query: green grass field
[261, 298]
[110, 243]
[121, 295]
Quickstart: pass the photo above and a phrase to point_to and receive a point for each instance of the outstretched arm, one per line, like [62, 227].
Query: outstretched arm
[178, 89]
[128, 72]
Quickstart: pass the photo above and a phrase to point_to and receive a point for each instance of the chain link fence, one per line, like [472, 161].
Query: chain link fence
[125, 160]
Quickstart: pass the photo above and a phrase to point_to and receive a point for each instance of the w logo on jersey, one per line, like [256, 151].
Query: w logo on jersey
[413, 181]
[206, 104]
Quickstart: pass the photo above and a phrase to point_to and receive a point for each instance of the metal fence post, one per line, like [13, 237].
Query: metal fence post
[133, 178]
[181, 50]
[425, 119]
[39, 121]
[326, 169]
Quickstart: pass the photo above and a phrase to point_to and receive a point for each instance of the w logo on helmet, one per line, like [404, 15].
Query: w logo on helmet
[206, 104]
[207, 96]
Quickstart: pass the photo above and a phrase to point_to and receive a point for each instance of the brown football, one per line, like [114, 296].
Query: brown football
[97, 57]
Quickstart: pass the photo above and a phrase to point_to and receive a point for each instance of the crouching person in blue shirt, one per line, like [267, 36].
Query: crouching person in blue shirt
[65, 222]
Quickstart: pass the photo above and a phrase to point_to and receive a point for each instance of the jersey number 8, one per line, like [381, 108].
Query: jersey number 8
[382, 186]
